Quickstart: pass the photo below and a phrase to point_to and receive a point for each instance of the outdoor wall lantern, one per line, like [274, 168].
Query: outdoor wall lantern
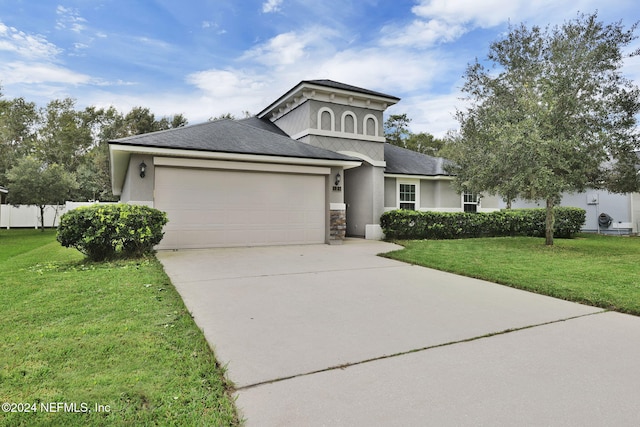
[338, 179]
[143, 169]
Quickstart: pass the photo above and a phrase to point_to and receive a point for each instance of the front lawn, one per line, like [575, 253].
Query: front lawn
[112, 342]
[602, 271]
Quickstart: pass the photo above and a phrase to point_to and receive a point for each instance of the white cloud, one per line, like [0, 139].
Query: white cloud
[266, 71]
[431, 113]
[225, 83]
[26, 45]
[444, 21]
[227, 91]
[69, 18]
[211, 25]
[154, 43]
[380, 69]
[486, 13]
[284, 49]
[292, 47]
[271, 6]
[36, 73]
[422, 34]
[34, 60]
[491, 13]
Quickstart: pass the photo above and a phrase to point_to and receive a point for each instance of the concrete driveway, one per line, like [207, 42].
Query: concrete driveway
[334, 335]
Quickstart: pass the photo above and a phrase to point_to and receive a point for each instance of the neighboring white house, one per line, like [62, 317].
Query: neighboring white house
[607, 213]
[3, 199]
[309, 168]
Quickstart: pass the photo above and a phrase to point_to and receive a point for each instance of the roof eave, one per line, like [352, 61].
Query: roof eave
[120, 153]
[419, 176]
[297, 95]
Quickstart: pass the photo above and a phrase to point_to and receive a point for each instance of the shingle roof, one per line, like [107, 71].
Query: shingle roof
[406, 162]
[264, 124]
[343, 86]
[230, 136]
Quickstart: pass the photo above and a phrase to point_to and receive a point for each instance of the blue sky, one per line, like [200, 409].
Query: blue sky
[206, 58]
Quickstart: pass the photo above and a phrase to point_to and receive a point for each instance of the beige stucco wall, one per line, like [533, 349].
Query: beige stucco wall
[428, 194]
[490, 202]
[359, 197]
[448, 197]
[389, 193]
[136, 189]
[335, 194]
[373, 150]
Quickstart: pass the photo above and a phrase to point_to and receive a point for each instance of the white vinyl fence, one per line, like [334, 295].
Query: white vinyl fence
[29, 216]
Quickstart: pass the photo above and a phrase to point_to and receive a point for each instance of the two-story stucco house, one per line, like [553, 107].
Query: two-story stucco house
[311, 167]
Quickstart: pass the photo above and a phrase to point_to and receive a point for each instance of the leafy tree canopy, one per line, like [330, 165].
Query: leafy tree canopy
[553, 114]
[74, 139]
[33, 183]
[396, 131]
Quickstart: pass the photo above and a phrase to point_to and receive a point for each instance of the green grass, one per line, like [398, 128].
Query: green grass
[114, 334]
[603, 271]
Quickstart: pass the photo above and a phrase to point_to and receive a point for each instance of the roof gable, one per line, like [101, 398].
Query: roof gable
[328, 91]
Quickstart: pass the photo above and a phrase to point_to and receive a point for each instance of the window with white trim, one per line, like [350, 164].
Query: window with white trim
[470, 201]
[370, 125]
[326, 119]
[348, 122]
[407, 196]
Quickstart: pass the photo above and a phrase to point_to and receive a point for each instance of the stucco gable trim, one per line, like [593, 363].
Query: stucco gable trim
[378, 163]
[336, 134]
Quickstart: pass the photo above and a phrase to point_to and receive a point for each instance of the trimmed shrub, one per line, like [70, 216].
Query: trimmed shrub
[406, 224]
[106, 231]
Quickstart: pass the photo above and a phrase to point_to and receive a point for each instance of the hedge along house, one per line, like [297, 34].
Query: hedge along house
[312, 167]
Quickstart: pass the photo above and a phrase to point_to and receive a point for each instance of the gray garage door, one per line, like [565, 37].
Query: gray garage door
[217, 208]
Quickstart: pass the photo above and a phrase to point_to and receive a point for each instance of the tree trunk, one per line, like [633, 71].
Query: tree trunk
[549, 223]
[42, 217]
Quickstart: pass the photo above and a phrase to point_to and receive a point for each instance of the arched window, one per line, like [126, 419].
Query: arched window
[326, 119]
[349, 123]
[370, 125]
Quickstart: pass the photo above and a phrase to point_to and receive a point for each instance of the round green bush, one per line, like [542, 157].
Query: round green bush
[106, 231]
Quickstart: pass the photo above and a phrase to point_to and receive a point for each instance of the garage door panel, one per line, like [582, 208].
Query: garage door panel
[197, 217]
[214, 208]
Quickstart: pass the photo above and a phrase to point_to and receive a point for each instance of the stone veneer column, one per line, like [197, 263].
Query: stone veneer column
[337, 226]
